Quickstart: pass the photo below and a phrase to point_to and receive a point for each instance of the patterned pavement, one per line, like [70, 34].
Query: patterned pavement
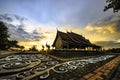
[105, 72]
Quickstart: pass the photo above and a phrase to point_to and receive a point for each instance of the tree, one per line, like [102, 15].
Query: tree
[33, 48]
[13, 43]
[22, 47]
[114, 4]
[4, 42]
[3, 36]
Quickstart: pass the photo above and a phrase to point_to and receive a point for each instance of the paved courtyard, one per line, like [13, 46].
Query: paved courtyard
[103, 72]
[44, 67]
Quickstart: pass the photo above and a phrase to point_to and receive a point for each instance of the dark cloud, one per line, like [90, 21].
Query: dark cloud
[113, 19]
[36, 35]
[21, 35]
[108, 44]
[17, 31]
[109, 19]
[5, 17]
[108, 27]
[106, 31]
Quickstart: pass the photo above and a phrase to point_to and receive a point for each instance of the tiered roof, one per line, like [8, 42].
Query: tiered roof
[73, 39]
[78, 38]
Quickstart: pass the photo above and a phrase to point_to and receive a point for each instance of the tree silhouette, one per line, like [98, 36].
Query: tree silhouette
[33, 48]
[3, 36]
[22, 47]
[13, 43]
[4, 42]
[114, 4]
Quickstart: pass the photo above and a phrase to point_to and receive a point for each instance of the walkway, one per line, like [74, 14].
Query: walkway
[103, 72]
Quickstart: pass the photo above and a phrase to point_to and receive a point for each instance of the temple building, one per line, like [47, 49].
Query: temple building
[71, 40]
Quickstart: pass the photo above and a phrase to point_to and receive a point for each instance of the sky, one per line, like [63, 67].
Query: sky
[43, 17]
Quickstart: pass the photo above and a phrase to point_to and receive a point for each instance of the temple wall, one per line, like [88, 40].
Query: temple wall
[58, 44]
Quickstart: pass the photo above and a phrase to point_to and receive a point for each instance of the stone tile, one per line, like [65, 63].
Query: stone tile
[105, 74]
[100, 78]
[88, 76]
[98, 69]
[104, 70]
[82, 79]
[94, 77]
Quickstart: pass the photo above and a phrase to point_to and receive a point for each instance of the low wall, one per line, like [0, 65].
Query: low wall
[6, 53]
[74, 53]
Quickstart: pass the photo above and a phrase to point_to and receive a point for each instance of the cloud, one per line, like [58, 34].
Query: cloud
[104, 32]
[29, 32]
[21, 34]
[5, 17]
[107, 28]
[108, 44]
[21, 28]
[112, 23]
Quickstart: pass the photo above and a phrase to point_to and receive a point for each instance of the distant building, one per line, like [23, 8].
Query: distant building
[71, 40]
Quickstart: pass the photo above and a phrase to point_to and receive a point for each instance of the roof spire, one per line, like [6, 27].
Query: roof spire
[57, 29]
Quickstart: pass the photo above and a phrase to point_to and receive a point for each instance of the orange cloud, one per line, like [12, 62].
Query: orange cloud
[104, 31]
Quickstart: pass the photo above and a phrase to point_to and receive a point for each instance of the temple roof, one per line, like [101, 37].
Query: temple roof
[73, 38]
[78, 38]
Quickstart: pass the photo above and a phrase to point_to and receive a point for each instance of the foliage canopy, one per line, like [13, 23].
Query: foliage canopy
[112, 4]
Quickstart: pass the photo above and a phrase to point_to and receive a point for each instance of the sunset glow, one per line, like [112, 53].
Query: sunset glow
[36, 22]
